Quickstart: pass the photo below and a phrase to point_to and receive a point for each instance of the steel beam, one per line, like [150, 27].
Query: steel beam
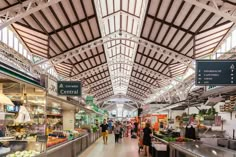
[123, 13]
[158, 49]
[88, 72]
[228, 14]
[103, 80]
[21, 10]
[119, 96]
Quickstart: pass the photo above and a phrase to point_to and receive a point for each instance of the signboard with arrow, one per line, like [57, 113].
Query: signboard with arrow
[215, 72]
[69, 88]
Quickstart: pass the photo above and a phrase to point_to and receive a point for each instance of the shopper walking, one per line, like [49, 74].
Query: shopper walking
[117, 132]
[147, 134]
[121, 130]
[104, 129]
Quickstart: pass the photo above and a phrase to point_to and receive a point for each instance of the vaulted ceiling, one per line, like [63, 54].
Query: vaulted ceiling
[120, 47]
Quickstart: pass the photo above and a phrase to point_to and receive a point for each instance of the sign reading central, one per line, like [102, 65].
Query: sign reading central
[69, 88]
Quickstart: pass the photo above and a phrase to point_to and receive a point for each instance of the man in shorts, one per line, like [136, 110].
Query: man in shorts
[104, 128]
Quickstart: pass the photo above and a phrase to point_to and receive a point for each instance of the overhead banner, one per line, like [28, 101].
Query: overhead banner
[69, 88]
[215, 73]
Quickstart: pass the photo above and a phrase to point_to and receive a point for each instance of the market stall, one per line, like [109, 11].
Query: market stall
[22, 114]
[39, 123]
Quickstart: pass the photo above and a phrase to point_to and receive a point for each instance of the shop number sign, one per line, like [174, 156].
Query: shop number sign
[216, 72]
[69, 88]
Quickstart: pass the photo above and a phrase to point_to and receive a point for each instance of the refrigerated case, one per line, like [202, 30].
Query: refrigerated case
[198, 149]
[23, 117]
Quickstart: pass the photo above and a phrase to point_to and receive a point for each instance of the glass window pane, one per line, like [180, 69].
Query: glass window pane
[29, 56]
[223, 47]
[10, 39]
[21, 49]
[16, 44]
[228, 43]
[5, 35]
[234, 38]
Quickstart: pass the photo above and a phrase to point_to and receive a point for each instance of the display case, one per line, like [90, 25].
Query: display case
[22, 118]
[198, 149]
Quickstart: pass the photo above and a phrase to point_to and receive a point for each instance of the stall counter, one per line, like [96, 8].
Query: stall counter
[74, 147]
[71, 148]
[198, 149]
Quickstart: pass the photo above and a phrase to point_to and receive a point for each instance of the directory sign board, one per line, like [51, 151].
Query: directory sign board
[69, 88]
[215, 72]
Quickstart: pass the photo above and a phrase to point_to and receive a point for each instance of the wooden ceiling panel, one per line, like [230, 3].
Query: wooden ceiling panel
[58, 11]
[183, 42]
[59, 42]
[72, 36]
[201, 20]
[94, 27]
[147, 27]
[160, 36]
[51, 18]
[39, 17]
[88, 34]
[182, 14]
[79, 10]
[164, 9]
[176, 39]
[173, 10]
[67, 5]
[80, 34]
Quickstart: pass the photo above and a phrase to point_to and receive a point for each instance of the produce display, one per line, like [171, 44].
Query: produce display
[23, 130]
[58, 136]
[177, 139]
[30, 153]
[55, 140]
[81, 131]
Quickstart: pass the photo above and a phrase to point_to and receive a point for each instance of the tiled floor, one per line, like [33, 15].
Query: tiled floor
[127, 148]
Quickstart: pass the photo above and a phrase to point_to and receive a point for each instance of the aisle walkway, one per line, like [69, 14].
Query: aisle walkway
[127, 148]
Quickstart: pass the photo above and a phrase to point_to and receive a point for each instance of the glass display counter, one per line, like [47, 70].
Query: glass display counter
[198, 149]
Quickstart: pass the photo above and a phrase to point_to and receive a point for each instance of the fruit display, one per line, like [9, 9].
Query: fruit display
[55, 140]
[30, 153]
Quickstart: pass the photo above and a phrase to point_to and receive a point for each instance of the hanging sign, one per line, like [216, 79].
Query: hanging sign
[215, 72]
[69, 88]
[89, 100]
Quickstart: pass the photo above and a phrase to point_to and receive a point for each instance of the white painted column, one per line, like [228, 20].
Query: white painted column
[68, 119]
